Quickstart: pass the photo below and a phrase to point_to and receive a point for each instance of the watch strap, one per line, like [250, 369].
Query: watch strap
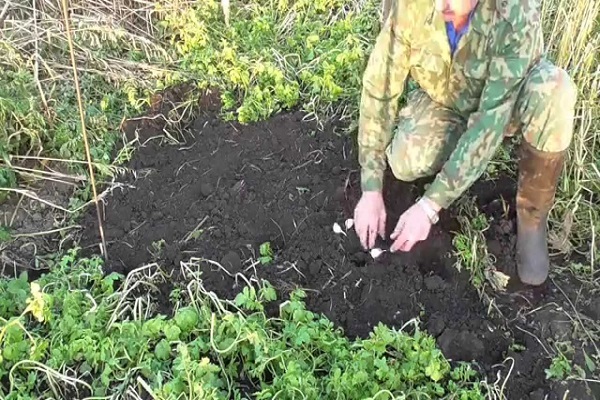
[431, 213]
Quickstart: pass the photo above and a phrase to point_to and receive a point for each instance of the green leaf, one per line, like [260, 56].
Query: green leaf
[153, 327]
[241, 299]
[105, 377]
[163, 350]
[302, 336]
[186, 319]
[8, 179]
[268, 293]
[5, 235]
[433, 370]
[172, 332]
[589, 363]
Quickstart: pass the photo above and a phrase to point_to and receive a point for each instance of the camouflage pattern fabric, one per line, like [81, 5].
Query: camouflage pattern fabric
[496, 84]
[427, 132]
[424, 137]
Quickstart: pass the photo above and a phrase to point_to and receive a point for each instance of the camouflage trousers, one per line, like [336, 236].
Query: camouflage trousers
[427, 132]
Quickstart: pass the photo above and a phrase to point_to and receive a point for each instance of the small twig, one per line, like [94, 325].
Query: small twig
[38, 366]
[35, 176]
[216, 264]
[327, 283]
[280, 230]
[136, 228]
[316, 159]
[507, 376]
[189, 235]
[536, 338]
[34, 196]
[54, 174]
[36, 68]
[14, 214]
[3, 13]
[347, 274]
[576, 378]
[292, 266]
[9, 261]
[22, 157]
[34, 234]
[226, 10]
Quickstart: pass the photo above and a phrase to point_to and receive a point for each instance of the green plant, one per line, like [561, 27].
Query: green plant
[273, 56]
[560, 368]
[157, 248]
[266, 253]
[5, 235]
[91, 327]
[471, 249]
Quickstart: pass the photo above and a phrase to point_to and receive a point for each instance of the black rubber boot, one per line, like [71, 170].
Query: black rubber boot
[539, 173]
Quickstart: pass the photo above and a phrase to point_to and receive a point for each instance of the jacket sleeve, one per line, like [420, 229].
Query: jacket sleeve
[515, 53]
[383, 83]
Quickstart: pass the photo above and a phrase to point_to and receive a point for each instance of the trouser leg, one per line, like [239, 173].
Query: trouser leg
[425, 137]
[544, 114]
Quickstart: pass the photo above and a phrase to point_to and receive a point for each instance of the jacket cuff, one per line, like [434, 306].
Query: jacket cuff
[437, 193]
[371, 180]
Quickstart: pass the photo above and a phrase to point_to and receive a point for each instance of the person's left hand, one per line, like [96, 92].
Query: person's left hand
[413, 226]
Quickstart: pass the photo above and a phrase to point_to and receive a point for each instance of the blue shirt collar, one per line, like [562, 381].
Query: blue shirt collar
[454, 35]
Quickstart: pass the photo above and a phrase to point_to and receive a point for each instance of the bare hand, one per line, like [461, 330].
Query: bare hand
[369, 218]
[413, 226]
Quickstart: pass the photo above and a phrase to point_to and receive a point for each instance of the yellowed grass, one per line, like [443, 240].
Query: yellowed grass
[573, 39]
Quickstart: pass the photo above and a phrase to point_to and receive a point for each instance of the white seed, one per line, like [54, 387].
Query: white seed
[376, 252]
[349, 223]
[337, 228]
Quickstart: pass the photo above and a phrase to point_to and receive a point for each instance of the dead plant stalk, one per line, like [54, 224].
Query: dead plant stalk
[103, 249]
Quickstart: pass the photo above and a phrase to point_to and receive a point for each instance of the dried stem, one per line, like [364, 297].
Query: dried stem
[84, 132]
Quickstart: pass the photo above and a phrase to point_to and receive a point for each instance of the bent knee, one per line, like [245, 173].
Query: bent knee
[565, 91]
[548, 116]
[555, 88]
[408, 163]
[404, 172]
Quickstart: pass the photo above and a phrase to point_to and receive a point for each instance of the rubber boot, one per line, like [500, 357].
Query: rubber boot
[538, 177]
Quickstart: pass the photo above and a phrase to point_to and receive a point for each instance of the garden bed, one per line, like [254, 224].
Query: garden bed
[231, 190]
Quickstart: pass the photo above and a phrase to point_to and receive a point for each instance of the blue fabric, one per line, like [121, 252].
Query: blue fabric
[454, 35]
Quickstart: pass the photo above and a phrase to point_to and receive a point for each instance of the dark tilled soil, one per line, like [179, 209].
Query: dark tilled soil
[279, 182]
[37, 224]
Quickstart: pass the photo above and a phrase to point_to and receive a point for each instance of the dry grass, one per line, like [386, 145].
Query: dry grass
[573, 40]
[38, 35]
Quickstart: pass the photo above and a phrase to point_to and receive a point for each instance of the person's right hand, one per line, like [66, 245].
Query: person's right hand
[369, 218]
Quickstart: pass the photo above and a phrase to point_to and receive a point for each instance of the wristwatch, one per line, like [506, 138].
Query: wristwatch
[431, 213]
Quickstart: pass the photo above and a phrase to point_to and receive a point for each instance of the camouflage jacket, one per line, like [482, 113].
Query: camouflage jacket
[480, 82]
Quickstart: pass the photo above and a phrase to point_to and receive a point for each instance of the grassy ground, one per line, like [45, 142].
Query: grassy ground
[117, 347]
[267, 55]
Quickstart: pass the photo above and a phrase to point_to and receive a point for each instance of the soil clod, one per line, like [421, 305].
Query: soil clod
[206, 189]
[434, 283]
[461, 345]
[232, 262]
